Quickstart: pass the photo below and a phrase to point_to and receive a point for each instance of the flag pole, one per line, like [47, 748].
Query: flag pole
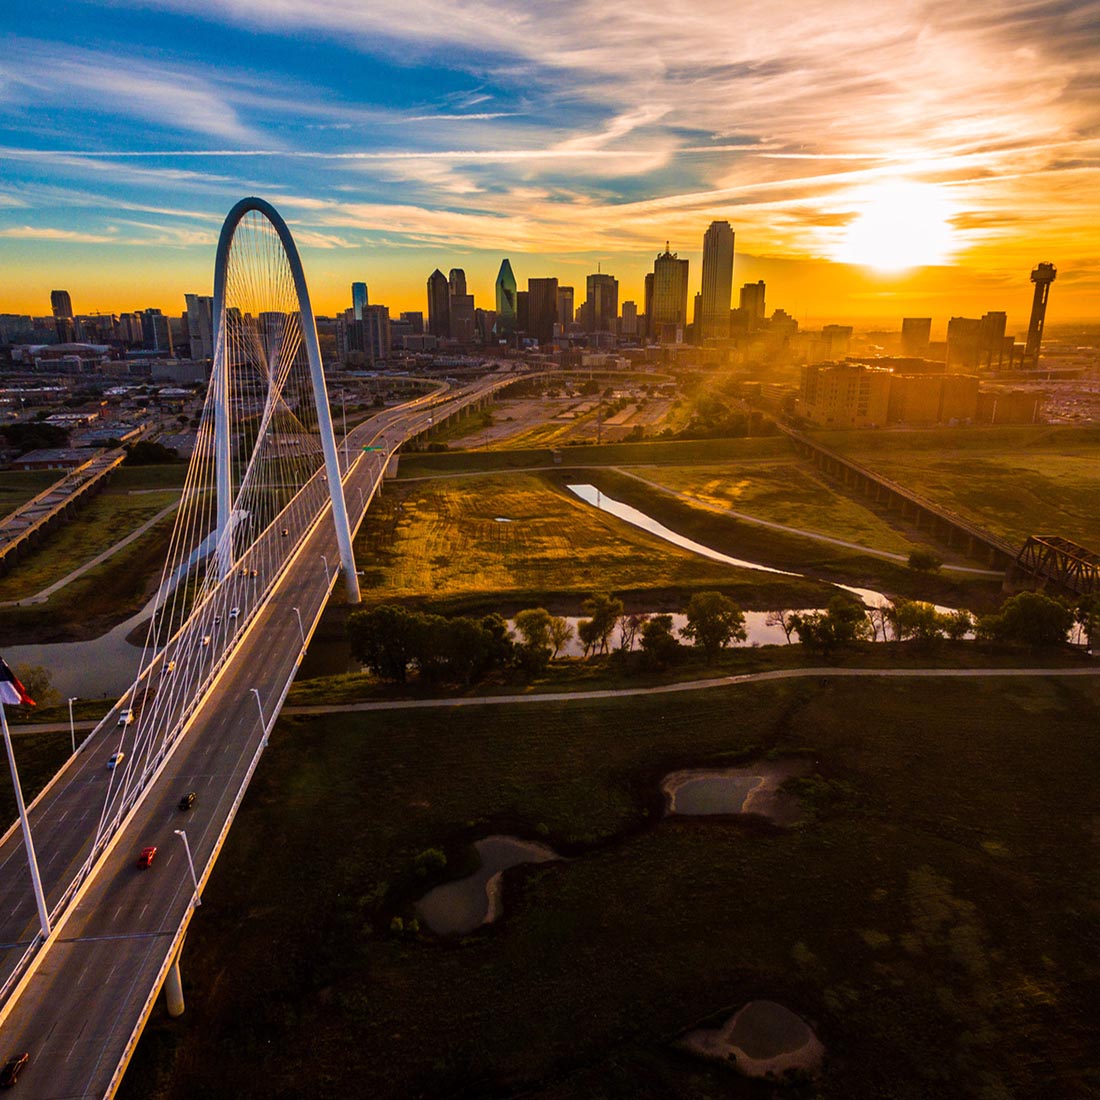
[39, 897]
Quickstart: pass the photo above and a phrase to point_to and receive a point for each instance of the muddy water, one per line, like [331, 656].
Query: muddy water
[459, 907]
[762, 1037]
[753, 789]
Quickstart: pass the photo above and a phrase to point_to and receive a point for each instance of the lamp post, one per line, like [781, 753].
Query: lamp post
[344, 412]
[190, 863]
[72, 727]
[328, 575]
[301, 629]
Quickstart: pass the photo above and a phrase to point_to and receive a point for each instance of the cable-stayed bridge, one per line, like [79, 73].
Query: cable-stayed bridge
[262, 535]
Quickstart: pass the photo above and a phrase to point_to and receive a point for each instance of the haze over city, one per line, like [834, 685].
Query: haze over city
[870, 166]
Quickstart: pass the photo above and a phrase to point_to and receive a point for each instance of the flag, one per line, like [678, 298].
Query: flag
[12, 691]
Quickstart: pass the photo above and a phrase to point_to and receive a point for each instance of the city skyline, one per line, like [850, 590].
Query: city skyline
[870, 167]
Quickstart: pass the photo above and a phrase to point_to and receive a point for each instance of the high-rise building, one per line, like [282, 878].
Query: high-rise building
[601, 303]
[507, 301]
[415, 321]
[916, 335]
[456, 281]
[439, 305]
[522, 316]
[376, 332]
[1042, 277]
[462, 318]
[565, 307]
[200, 325]
[753, 305]
[629, 324]
[542, 309]
[359, 300]
[156, 335]
[61, 303]
[669, 314]
[717, 291]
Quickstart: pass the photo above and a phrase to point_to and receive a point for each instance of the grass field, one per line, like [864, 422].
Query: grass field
[442, 541]
[784, 492]
[1015, 482]
[19, 486]
[103, 521]
[935, 919]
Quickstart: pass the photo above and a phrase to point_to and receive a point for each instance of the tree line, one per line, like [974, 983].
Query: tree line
[392, 641]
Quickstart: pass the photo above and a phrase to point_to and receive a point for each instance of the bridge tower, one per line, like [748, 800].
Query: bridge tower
[1042, 277]
[266, 266]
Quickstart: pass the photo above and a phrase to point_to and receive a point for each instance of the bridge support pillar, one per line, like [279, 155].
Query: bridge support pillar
[173, 989]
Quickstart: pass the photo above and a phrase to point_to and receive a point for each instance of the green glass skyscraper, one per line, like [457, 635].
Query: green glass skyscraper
[506, 298]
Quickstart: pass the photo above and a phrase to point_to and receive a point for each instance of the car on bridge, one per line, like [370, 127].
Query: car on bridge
[125, 717]
[147, 856]
[187, 801]
[14, 1066]
[234, 612]
[115, 760]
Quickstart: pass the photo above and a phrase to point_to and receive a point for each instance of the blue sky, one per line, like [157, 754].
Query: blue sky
[397, 137]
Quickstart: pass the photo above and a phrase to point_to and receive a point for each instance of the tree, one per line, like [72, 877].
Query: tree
[842, 624]
[659, 644]
[924, 561]
[501, 644]
[1029, 618]
[385, 639]
[147, 453]
[629, 628]
[588, 632]
[38, 683]
[916, 621]
[784, 619]
[1087, 616]
[605, 611]
[713, 621]
[957, 624]
[533, 624]
[560, 633]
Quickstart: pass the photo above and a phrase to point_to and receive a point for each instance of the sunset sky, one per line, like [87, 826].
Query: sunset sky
[874, 160]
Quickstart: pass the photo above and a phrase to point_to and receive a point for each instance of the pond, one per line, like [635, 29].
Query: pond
[753, 789]
[763, 1037]
[456, 908]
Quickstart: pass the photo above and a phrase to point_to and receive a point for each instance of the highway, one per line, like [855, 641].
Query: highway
[83, 1000]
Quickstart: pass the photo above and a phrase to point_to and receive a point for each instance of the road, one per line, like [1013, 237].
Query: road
[84, 1001]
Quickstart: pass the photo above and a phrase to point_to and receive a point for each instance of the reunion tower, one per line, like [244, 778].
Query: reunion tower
[1042, 277]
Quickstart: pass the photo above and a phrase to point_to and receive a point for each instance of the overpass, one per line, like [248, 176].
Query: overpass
[258, 548]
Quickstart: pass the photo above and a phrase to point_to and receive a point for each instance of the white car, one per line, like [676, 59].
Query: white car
[234, 612]
[125, 717]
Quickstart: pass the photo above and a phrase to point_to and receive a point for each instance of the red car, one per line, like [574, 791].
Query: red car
[146, 857]
[10, 1073]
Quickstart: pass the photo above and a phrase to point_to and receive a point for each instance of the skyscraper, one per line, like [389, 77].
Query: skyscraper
[916, 334]
[753, 304]
[601, 303]
[61, 303]
[200, 325]
[359, 299]
[439, 305]
[542, 309]
[457, 282]
[461, 306]
[670, 295]
[506, 291]
[565, 307]
[717, 289]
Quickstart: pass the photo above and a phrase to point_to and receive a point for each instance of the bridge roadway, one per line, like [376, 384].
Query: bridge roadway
[83, 1002]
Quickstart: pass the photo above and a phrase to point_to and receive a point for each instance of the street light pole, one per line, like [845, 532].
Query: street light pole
[328, 575]
[344, 412]
[190, 863]
[72, 727]
[301, 629]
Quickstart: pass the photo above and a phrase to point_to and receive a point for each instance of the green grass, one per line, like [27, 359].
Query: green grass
[665, 453]
[786, 492]
[1015, 482]
[166, 476]
[19, 486]
[105, 520]
[38, 757]
[440, 541]
[935, 919]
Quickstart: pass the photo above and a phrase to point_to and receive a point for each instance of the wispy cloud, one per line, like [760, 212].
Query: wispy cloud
[43, 233]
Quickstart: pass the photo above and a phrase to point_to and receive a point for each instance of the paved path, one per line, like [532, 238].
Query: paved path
[99, 559]
[689, 685]
[616, 693]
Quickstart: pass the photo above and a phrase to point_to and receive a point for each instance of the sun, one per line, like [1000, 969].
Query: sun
[900, 224]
